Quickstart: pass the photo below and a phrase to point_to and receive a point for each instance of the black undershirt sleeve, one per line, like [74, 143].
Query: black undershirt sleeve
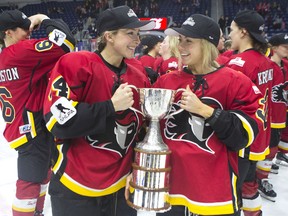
[90, 119]
[229, 129]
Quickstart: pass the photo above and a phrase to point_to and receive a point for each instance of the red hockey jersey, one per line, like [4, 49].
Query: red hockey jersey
[260, 70]
[278, 119]
[98, 144]
[162, 66]
[24, 69]
[204, 170]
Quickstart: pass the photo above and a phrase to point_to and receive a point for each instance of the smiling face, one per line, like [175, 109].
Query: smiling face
[124, 42]
[190, 51]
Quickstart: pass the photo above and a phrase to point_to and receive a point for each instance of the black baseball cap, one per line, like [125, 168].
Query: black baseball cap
[122, 17]
[253, 22]
[150, 41]
[198, 26]
[279, 39]
[11, 19]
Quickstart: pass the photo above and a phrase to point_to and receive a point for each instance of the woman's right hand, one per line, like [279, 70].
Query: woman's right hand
[36, 20]
[122, 98]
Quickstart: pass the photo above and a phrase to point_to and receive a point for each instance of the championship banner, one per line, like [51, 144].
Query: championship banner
[161, 23]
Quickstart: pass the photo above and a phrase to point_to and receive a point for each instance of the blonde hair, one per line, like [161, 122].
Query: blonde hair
[173, 45]
[209, 54]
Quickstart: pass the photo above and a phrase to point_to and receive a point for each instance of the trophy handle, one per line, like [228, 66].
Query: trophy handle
[180, 110]
[132, 108]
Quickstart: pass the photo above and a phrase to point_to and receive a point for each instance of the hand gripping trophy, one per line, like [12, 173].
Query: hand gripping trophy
[150, 177]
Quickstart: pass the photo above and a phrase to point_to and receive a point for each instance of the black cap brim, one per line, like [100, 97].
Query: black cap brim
[258, 37]
[142, 25]
[26, 25]
[180, 31]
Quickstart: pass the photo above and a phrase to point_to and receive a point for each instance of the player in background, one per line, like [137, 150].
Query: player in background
[279, 52]
[221, 59]
[150, 45]
[169, 56]
[246, 33]
[87, 106]
[219, 118]
[24, 68]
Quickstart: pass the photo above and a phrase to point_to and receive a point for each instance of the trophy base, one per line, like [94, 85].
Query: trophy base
[166, 208]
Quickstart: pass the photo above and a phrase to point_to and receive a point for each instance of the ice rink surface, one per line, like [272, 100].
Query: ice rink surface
[8, 166]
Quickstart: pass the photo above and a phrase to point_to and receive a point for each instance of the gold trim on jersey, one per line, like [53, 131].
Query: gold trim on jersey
[91, 192]
[24, 139]
[278, 125]
[18, 142]
[259, 156]
[246, 125]
[59, 159]
[215, 208]
[69, 45]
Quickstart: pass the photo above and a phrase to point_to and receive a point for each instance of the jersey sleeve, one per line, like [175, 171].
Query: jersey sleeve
[278, 105]
[65, 115]
[59, 33]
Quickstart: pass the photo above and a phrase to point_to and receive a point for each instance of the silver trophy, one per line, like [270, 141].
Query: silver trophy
[150, 182]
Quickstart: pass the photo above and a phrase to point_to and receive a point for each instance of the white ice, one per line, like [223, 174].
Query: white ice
[8, 167]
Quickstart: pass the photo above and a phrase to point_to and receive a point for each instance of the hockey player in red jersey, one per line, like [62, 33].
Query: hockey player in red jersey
[279, 54]
[169, 58]
[87, 107]
[24, 68]
[278, 116]
[219, 118]
[246, 33]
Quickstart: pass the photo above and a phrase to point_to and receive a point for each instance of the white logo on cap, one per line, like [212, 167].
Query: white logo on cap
[24, 16]
[286, 37]
[189, 21]
[261, 28]
[131, 13]
[211, 38]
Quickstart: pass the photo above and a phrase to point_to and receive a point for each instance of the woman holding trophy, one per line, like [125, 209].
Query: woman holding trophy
[87, 107]
[222, 113]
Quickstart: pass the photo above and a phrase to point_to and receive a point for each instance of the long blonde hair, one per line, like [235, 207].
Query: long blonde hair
[173, 45]
[209, 55]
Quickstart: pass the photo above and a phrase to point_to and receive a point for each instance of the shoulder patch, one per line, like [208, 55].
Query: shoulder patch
[57, 37]
[44, 45]
[63, 110]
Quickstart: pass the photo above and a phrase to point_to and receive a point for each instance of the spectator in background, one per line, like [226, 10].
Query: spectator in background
[221, 23]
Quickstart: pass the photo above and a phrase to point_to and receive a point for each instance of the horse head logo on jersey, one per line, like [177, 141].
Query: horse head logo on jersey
[119, 137]
[280, 93]
[196, 132]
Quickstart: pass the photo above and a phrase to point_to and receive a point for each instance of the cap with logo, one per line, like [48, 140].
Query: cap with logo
[253, 22]
[11, 19]
[198, 26]
[121, 17]
[279, 39]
